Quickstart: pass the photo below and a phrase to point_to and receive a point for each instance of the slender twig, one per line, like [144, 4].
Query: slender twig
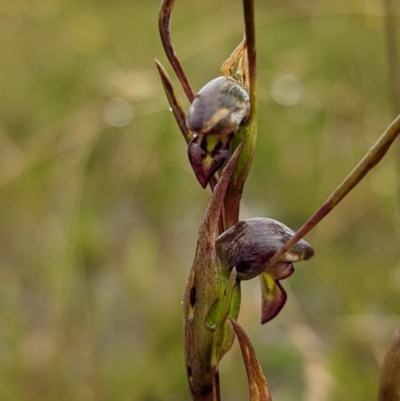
[371, 159]
[164, 22]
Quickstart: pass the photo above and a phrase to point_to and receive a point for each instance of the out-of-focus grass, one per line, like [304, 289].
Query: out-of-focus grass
[100, 211]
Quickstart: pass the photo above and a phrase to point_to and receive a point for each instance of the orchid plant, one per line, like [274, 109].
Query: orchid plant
[220, 131]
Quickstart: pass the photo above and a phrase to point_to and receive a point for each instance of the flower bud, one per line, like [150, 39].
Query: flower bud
[250, 243]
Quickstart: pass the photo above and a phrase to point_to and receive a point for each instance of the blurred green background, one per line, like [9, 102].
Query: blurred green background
[100, 209]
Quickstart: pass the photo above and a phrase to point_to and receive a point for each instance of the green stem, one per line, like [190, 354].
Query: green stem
[235, 189]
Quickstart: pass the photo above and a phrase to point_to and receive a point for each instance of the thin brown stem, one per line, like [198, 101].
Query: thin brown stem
[370, 160]
[250, 30]
[164, 23]
[175, 104]
[248, 129]
[216, 387]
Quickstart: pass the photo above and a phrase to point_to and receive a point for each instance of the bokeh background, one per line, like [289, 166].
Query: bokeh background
[100, 210]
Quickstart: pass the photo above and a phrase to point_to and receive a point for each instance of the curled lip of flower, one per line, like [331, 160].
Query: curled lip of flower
[207, 153]
[250, 243]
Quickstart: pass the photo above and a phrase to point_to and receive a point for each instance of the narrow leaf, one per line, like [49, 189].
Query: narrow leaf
[258, 385]
[164, 23]
[176, 106]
